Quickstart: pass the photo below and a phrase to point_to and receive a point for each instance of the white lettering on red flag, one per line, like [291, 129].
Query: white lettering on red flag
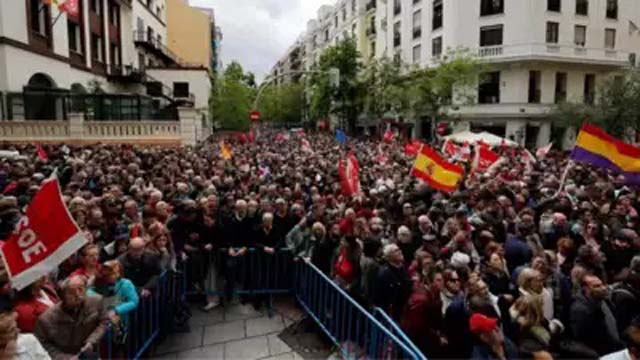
[45, 237]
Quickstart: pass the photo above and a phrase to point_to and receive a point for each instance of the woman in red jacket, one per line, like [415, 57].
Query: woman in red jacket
[32, 301]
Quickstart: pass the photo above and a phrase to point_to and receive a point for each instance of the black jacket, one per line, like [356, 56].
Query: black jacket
[593, 324]
[393, 289]
[142, 272]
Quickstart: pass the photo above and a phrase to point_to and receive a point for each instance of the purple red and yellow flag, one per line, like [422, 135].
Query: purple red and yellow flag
[594, 146]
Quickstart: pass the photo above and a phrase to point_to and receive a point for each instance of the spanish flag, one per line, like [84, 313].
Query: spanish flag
[436, 171]
[225, 152]
[594, 146]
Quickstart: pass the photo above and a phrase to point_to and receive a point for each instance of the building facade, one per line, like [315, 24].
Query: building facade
[540, 52]
[112, 59]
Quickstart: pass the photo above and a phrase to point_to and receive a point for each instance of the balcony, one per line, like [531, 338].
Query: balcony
[151, 44]
[125, 74]
[554, 53]
[501, 110]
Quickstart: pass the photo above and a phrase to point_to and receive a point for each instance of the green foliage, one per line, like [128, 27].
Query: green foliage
[345, 100]
[232, 97]
[457, 73]
[283, 103]
[385, 88]
[616, 108]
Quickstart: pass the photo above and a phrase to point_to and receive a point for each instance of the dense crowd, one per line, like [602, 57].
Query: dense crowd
[506, 267]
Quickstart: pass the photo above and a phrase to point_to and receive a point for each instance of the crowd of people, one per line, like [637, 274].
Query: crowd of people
[506, 267]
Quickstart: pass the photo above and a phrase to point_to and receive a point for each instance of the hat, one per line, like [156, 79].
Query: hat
[460, 259]
[481, 324]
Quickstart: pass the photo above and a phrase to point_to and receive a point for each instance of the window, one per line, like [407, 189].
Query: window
[416, 2]
[491, 7]
[75, 44]
[491, 35]
[417, 50]
[437, 14]
[489, 91]
[417, 24]
[353, 6]
[436, 47]
[335, 21]
[612, 9]
[38, 14]
[96, 6]
[326, 35]
[115, 55]
[534, 87]
[396, 34]
[373, 49]
[554, 5]
[397, 8]
[553, 32]
[181, 89]
[353, 30]
[114, 15]
[140, 26]
[582, 7]
[589, 88]
[97, 51]
[561, 87]
[344, 14]
[580, 35]
[609, 38]
[150, 37]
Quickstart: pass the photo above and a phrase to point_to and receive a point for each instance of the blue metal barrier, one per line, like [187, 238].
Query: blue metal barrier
[252, 274]
[146, 323]
[393, 327]
[348, 324]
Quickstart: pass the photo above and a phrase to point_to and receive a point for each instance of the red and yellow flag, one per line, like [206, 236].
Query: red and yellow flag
[225, 152]
[436, 171]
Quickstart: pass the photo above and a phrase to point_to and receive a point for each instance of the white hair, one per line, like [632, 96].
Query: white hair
[267, 216]
[388, 250]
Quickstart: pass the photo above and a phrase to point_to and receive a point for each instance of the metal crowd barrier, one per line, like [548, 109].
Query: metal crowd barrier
[153, 317]
[347, 323]
[254, 273]
[393, 327]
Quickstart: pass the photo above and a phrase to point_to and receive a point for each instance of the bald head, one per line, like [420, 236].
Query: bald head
[136, 248]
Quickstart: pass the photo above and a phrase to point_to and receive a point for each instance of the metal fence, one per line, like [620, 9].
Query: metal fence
[347, 323]
[153, 317]
[56, 105]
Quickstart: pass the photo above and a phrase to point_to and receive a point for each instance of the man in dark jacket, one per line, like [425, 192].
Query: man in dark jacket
[592, 321]
[393, 286]
[140, 266]
[625, 297]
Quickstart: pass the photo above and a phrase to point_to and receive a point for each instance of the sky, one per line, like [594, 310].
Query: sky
[256, 33]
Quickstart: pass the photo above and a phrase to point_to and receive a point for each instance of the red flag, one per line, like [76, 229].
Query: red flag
[349, 171]
[251, 136]
[388, 135]
[484, 158]
[412, 148]
[306, 146]
[301, 133]
[543, 151]
[450, 148]
[42, 154]
[10, 187]
[242, 137]
[42, 239]
[71, 7]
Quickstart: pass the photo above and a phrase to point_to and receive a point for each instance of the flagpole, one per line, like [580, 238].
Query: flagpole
[56, 19]
[564, 177]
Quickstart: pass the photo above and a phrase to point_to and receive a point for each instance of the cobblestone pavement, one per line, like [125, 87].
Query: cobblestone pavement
[238, 332]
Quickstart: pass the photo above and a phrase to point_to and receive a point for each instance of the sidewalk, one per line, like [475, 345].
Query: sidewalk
[237, 333]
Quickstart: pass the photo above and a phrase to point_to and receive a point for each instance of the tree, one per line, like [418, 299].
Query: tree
[232, 97]
[453, 80]
[282, 103]
[616, 108]
[385, 88]
[345, 100]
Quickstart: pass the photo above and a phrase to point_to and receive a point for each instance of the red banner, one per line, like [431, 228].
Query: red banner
[42, 239]
[484, 159]
[349, 175]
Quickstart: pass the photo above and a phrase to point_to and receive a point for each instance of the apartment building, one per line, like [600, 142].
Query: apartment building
[540, 52]
[115, 50]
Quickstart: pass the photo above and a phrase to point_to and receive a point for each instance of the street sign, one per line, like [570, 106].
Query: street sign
[254, 115]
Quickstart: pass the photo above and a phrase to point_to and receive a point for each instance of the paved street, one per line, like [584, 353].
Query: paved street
[239, 332]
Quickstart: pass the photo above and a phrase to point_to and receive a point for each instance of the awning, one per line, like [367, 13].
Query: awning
[487, 138]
